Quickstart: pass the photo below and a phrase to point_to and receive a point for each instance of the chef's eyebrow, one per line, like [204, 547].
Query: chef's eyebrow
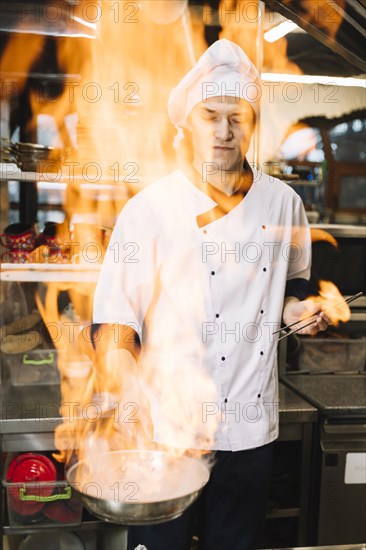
[208, 110]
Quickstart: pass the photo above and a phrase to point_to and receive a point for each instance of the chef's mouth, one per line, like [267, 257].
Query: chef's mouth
[223, 148]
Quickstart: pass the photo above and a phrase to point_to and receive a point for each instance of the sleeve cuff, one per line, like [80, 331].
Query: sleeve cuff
[299, 288]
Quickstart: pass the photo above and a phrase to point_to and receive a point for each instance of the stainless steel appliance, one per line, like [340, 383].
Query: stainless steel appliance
[339, 474]
[329, 371]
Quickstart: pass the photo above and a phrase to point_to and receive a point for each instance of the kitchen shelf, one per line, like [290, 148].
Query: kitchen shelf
[10, 171]
[48, 273]
[84, 526]
[303, 183]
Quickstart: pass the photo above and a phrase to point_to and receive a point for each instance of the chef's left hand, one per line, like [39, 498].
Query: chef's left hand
[295, 310]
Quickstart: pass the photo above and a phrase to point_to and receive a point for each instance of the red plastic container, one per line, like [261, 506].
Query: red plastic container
[29, 468]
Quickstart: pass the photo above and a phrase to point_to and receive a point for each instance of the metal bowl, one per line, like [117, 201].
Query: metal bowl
[137, 487]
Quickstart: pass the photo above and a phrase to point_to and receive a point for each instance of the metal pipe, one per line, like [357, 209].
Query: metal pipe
[259, 65]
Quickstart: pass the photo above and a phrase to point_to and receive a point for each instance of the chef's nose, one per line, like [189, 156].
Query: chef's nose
[223, 130]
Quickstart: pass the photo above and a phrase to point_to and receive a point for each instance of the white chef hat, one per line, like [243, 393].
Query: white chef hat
[222, 70]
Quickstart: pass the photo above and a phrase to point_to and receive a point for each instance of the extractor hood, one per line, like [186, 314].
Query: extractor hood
[338, 24]
[57, 18]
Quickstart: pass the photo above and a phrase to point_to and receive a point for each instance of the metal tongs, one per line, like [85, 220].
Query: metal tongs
[344, 301]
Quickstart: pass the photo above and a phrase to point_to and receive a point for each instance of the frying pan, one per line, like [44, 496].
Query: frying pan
[137, 487]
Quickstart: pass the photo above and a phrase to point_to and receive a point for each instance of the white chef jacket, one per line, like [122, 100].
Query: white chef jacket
[205, 302]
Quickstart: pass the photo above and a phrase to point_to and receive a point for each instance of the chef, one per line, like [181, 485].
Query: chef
[202, 267]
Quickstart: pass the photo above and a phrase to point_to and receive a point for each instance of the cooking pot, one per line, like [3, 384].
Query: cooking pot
[137, 487]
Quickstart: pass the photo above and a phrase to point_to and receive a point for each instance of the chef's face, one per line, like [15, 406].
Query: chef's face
[221, 129]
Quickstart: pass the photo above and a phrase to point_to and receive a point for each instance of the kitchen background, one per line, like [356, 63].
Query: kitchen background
[84, 86]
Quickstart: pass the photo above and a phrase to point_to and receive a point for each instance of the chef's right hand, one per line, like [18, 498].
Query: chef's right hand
[295, 310]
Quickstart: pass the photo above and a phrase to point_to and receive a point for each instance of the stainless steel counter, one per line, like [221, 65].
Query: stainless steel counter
[35, 409]
[293, 408]
[29, 416]
[334, 395]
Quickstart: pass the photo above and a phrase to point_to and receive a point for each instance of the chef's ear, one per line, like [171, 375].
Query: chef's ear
[183, 146]
[255, 119]
[179, 136]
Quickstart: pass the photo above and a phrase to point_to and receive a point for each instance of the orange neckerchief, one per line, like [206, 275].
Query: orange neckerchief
[224, 202]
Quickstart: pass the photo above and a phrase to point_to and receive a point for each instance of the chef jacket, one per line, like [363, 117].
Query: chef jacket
[205, 302]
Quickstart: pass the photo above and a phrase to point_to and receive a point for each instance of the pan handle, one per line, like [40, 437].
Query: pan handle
[37, 498]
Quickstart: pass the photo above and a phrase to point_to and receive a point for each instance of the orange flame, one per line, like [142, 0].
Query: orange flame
[321, 235]
[124, 141]
[331, 301]
[127, 134]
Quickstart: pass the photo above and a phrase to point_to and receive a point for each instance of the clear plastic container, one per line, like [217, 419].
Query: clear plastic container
[42, 504]
[13, 306]
[36, 367]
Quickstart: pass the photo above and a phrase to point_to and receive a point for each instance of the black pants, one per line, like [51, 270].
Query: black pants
[230, 512]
